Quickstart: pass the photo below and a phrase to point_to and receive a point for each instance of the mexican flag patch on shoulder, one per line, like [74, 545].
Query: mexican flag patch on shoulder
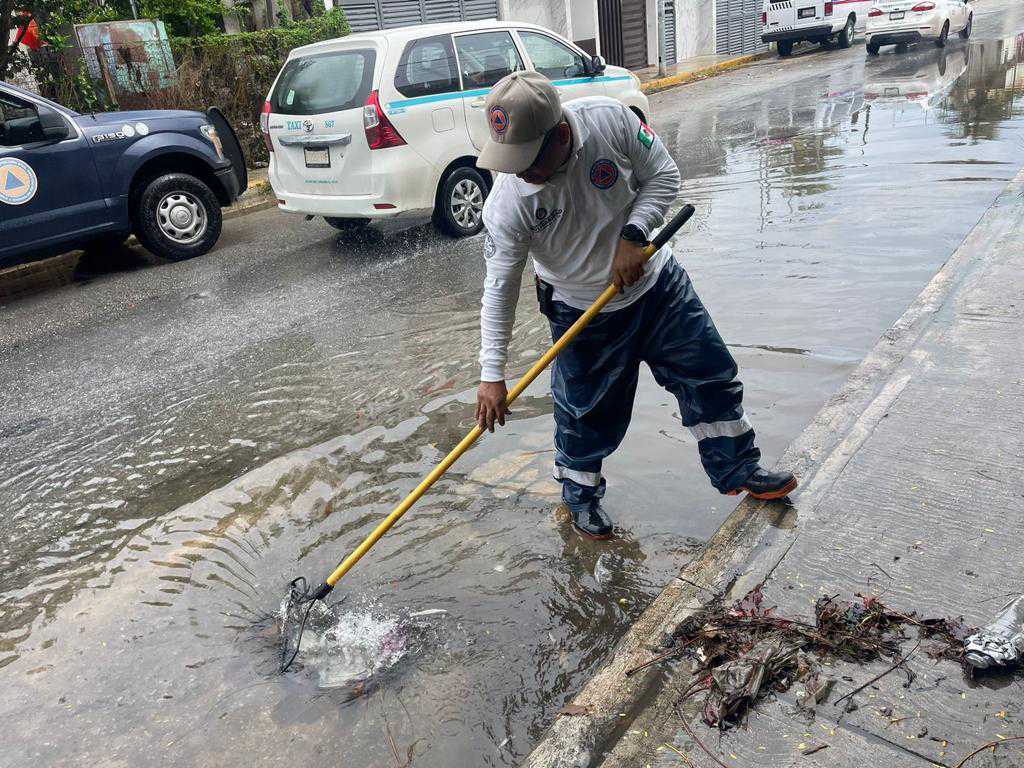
[645, 135]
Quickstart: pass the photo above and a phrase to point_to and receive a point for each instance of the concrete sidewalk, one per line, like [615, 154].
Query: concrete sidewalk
[910, 491]
[691, 70]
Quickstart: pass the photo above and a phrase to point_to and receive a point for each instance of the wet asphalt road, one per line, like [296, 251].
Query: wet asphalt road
[154, 417]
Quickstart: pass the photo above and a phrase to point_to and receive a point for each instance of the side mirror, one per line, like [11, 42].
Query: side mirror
[52, 124]
[597, 65]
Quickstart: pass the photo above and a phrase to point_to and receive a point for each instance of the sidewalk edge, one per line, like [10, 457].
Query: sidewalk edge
[671, 81]
[751, 541]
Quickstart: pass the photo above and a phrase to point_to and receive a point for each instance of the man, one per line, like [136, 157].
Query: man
[581, 187]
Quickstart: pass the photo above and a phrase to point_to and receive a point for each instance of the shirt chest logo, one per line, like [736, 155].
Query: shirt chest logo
[545, 218]
[603, 174]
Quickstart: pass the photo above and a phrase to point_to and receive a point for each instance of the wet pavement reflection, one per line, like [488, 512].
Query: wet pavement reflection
[250, 429]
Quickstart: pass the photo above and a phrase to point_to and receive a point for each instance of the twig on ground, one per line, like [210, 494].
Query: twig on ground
[812, 750]
[983, 747]
[878, 677]
[673, 651]
[698, 742]
[880, 568]
[709, 590]
[681, 754]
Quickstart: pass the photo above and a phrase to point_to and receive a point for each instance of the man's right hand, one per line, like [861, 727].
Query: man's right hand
[490, 404]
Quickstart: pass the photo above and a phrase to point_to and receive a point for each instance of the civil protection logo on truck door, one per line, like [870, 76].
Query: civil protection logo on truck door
[603, 174]
[18, 183]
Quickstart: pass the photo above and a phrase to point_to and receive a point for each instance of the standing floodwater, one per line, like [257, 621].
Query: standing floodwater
[198, 434]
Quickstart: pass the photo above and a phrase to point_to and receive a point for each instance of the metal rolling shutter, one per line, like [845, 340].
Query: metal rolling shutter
[367, 15]
[738, 27]
[670, 31]
[634, 34]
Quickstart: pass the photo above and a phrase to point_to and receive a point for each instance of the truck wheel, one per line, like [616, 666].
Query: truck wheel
[785, 47]
[940, 42]
[346, 225]
[845, 38]
[177, 217]
[460, 206]
[873, 48]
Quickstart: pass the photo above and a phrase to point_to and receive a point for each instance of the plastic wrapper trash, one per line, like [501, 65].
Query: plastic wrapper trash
[1001, 643]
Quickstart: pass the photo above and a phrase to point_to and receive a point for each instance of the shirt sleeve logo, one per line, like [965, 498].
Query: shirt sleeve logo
[603, 174]
[499, 121]
[645, 136]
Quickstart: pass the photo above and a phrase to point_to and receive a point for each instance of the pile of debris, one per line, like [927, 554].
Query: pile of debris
[744, 651]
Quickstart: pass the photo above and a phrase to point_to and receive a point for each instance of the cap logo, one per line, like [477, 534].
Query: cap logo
[499, 121]
[603, 174]
[542, 213]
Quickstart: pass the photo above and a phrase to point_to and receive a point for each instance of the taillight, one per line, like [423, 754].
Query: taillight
[265, 125]
[828, 9]
[874, 13]
[923, 7]
[380, 133]
[764, 18]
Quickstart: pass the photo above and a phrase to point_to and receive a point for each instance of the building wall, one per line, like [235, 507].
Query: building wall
[553, 14]
[695, 28]
[584, 25]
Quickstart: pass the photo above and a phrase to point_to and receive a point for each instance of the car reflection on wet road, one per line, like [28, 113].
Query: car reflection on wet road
[179, 441]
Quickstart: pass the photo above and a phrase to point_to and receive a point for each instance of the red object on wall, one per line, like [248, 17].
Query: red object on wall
[31, 38]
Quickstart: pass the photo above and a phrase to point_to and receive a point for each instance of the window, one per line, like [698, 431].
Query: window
[551, 58]
[19, 122]
[328, 82]
[427, 67]
[486, 57]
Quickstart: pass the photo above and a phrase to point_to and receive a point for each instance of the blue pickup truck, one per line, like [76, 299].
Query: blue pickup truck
[89, 181]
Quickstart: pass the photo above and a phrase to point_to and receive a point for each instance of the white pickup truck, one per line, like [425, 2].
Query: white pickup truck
[787, 22]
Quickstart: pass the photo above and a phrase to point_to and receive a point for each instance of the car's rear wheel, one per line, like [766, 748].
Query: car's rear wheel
[346, 225]
[177, 216]
[940, 42]
[873, 48]
[966, 31]
[785, 47]
[460, 205]
[845, 38]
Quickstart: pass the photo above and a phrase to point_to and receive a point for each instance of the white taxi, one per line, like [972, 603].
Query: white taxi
[899, 22]
[388, 124]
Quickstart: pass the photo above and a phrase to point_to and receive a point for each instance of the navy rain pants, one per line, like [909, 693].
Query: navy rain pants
[594, 381]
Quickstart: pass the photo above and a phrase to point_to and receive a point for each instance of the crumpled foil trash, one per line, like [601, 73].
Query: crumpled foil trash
[736, 685]
[1001, 643]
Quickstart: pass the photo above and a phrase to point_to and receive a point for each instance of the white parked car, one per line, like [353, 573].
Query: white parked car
[385, 124]
[898, 22]
[787, 22]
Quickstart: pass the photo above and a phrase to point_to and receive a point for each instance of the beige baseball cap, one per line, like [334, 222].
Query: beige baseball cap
[521, 108]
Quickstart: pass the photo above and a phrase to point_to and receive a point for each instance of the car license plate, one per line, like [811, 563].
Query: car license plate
[805, 13]
[318, 157]
[891, 90]
[896, 15]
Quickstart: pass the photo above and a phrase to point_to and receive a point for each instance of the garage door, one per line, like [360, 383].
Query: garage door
[738, 27]
[622, 25]
[366, 15]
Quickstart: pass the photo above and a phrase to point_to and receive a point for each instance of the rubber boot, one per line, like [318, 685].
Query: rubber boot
[766, 485]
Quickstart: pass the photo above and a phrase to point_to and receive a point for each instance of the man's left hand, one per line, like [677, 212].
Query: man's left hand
[628, 265]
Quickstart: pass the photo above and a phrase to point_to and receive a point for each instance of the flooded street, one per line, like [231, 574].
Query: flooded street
[179, 441]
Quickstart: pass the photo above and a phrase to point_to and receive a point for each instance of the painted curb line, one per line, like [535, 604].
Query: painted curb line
[754, 539]
[671, 81]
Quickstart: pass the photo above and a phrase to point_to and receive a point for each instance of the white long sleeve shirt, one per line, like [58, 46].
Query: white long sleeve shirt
[618, 173]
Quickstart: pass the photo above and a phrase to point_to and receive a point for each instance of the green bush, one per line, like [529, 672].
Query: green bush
[235, 72]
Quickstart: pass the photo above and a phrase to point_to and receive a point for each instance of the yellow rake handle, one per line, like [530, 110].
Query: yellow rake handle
[609, 293]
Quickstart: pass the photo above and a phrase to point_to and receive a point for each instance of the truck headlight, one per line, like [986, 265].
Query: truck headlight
[211, 133]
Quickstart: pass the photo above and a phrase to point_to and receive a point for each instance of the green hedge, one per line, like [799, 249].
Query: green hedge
[235, 72]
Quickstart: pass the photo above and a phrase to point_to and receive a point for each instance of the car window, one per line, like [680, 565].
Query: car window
[19, 122]
[328, 82]
[486, 57]
[550, 57]
[427, 67]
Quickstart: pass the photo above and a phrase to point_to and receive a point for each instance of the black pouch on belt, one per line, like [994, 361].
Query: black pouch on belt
[545, 295]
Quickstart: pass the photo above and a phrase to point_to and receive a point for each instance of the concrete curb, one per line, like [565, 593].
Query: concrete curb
[257, 203]
[671, 81]
[754, 538]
